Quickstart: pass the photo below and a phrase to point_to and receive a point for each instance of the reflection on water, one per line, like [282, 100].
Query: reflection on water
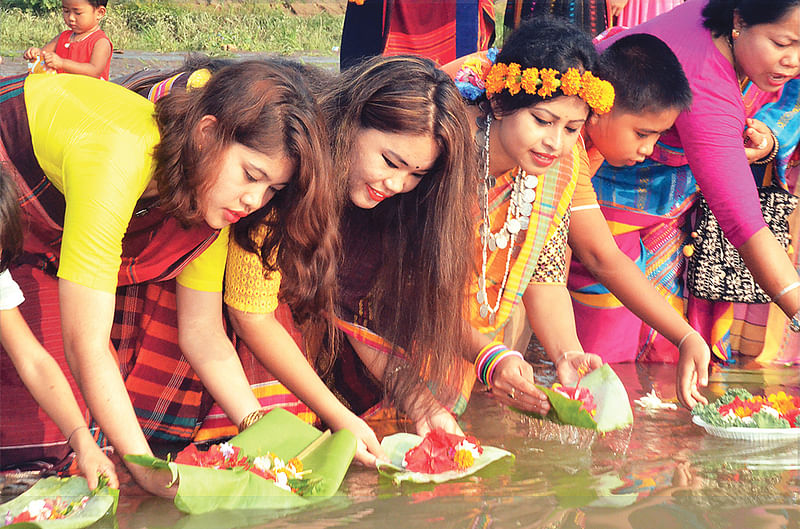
[664, 473]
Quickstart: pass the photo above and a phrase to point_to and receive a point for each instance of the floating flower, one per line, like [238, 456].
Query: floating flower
[46, 509]
[440, 452]
[738, 407]
[581, 394]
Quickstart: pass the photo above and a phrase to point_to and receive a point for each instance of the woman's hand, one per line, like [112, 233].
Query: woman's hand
[573, 365]
[692, 370]
[615, 7]
[512, 384]
[758, 140]
[155, 481]
[437, 417]
[368, 449]
[91, 461]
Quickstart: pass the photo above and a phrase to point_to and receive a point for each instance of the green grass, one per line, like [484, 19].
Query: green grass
[165, 27]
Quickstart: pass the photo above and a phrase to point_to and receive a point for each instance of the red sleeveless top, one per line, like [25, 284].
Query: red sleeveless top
[81, 51]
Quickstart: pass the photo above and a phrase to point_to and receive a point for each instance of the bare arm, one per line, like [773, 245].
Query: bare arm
[277, 351]
[44, 379]
[86, 318]
[593, 244]
[94, 68]
[205, 345]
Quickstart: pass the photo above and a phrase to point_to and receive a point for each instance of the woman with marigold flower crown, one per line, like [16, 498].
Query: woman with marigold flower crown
[531, 108]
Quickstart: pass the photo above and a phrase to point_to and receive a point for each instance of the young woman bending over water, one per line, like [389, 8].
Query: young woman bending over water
[403, 160]
[121, 198]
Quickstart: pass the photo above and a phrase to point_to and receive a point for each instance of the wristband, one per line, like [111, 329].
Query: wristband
[686, 336]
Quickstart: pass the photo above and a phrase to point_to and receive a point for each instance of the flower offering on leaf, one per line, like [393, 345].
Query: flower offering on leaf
[288, 476]
[580, 394]
[738, 408]
[46, 509]
[440, 452]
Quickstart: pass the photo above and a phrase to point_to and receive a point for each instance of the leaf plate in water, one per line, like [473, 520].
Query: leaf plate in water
[395, 446]
[202, 490]
[103, 500]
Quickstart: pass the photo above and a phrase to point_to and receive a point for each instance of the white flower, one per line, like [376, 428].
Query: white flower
[770, 411]
[262, 463]
[37, 508]
[652, 402]
[282, 481]
[747, 420]
[470, 447]
[226, 450]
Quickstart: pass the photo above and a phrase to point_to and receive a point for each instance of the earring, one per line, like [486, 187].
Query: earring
[735, 34]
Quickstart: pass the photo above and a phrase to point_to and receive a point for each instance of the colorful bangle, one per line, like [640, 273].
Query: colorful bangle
[251, 418]
[488, 359]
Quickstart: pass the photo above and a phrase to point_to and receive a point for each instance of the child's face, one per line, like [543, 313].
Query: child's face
[624, 138]
[81, 16]
[534, 137]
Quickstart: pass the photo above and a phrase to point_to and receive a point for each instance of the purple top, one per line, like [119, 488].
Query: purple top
[710, 132]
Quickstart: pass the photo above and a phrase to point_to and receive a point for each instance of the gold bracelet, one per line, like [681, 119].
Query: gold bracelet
[251, 418]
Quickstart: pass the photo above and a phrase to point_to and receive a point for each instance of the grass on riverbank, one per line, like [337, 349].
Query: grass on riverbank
[165, 27]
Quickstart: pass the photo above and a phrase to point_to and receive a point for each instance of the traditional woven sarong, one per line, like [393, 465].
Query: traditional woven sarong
[166, 393]
[438, 30]
[589, 15]
[648, 208]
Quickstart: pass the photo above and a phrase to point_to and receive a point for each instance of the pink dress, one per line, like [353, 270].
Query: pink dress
[638, 11]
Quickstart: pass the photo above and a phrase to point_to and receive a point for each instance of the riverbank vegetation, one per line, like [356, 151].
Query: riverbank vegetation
[215, 28]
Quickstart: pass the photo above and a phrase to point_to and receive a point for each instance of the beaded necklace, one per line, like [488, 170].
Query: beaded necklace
[523, 194]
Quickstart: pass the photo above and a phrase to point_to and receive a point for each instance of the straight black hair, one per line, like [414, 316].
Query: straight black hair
[646, 75]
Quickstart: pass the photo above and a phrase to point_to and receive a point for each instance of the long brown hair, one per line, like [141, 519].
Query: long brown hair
[10, 223]
[418, 301]
[266, 106]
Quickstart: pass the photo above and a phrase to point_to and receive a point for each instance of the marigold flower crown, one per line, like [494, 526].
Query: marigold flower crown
[472, 82]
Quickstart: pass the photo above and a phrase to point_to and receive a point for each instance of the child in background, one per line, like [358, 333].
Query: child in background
[39, 371]
[84, 48]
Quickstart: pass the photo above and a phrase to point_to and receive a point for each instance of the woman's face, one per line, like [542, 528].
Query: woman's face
[536, 136]
[769, 54]
[246, 181]
[388, 163]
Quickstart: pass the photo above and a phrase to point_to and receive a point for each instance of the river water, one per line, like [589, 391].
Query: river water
[663, 473]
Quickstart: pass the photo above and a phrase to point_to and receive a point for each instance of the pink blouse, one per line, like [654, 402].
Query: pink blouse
[710, 132]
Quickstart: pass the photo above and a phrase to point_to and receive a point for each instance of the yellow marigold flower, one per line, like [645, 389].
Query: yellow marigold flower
[296, 463]
[530, 80]
[597, 93]
[513, 76]
[781, 402]
[496, 79]
[571, 82]
[464, 459]
[549, 82]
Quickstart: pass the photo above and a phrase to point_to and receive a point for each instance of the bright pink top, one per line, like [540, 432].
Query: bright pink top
[637, 11]
[710, 132]
[81, 51]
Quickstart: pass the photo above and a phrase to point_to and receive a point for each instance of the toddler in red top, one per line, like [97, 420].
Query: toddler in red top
[84, 48]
